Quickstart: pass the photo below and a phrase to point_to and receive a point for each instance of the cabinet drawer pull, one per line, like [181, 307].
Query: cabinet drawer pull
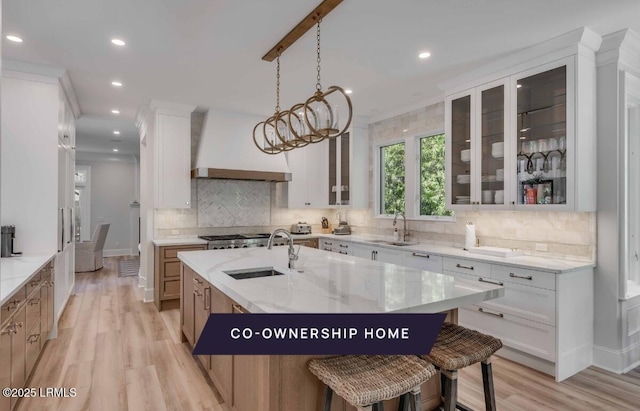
[31, 340]
[421, 255]
[197, 281]
[468, 267]
[343, 252]
[207, 299]
[18, 324]
[482, 280]
[197, 293]
[524, 277]
[33, 283]
[8, 330]
[490, 313]
[34, 301]
[327, 249]
[328, 243]
[344, 246]
[237, 308]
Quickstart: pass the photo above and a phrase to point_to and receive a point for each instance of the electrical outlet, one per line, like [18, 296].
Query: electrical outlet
[175, 231]
[542, 247]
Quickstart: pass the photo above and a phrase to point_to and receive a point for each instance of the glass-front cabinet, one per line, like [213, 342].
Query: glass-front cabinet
[526, 141]
[476, 147]
[541, 129]
[459, 149]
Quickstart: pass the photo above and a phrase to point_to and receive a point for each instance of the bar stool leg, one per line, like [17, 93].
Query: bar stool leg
[487, 382]
[451, 390]
[378, 406]
[416, 397]
[402, 403]
[327, 399]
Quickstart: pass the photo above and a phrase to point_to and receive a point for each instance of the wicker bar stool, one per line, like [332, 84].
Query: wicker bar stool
[457, 347]
[364, 381]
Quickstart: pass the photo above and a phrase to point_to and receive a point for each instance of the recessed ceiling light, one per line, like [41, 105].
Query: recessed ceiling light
[116, 132]
[15, 39]
[118, 42]
[115, 150]
[348, 91]
[116, 84]
[114, 111]
[424, 55]
[518, 85]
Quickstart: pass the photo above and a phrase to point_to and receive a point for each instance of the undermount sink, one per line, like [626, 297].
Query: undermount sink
[247, 273]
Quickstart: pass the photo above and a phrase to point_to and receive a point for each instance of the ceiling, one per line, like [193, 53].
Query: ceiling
[208, 52]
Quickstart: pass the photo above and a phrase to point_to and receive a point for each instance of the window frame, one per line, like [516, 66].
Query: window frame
[378, 181]
[412, 177]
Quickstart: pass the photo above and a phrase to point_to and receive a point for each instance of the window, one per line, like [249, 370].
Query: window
[432, 177]
[392, 184]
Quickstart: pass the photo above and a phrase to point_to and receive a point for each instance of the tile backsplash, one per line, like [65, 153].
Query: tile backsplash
[228, 203]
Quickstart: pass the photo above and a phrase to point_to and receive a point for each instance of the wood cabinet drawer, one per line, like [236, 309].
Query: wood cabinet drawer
[12, 304]
[172, 252]
[464, 266]
[171, 288]
[527, 336]
[423, 261]
[33, 283]
[33, 307]
[172, 269]
[530, 303]
[524, 276]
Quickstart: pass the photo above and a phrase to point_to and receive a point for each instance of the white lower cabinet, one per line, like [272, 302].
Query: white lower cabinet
[375, 253]
[341, 247]
[529, 316]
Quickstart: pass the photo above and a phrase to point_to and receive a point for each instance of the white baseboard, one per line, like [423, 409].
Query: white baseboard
[148, 295]
[617, 361]
[525, 359]
[118, 252]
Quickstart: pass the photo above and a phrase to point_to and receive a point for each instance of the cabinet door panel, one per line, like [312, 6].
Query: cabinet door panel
[297, 187]
[535, 304]
[423, 261]
[460, 124]
[33, 347]
[18, 347]
[222, 365]
[173, 157]
[202, 305]
[5, 365]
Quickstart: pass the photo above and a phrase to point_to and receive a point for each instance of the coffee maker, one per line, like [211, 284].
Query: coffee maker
[8, 238]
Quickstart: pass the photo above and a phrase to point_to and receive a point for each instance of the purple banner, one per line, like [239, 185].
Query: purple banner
[319, 334]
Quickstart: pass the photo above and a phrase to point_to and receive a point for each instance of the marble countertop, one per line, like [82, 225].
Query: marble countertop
[179, 241]
[327, 282]
[15, 272]
[552, 265]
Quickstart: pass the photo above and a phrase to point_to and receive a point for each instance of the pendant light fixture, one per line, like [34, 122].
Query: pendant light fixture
[325, 115]
[274, 135]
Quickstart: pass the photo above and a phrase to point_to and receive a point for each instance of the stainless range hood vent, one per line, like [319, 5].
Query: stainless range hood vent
[225, 150]
[229, 174]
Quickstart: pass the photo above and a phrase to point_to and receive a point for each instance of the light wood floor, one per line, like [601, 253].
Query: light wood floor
[122, 354]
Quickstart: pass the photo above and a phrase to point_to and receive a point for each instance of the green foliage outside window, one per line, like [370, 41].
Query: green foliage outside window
[392, 193]
[432, 177]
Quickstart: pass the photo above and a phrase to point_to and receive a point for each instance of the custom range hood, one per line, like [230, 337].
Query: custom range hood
[225, 150]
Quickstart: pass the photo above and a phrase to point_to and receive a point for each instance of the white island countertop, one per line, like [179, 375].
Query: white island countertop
[333, 283]
[15, 272]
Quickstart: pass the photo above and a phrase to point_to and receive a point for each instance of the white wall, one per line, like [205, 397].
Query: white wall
[30, 188]
[112, 191]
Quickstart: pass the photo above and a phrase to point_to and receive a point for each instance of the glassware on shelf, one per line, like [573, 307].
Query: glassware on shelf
[562, 143]
[553, 144]
[543, 145]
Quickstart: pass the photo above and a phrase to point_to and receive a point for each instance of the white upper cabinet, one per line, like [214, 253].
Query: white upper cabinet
[526, 139]
[172, 149]
[331, 173]
[308, 167]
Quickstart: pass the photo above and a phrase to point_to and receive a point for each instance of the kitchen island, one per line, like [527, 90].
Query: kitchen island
[323, 282]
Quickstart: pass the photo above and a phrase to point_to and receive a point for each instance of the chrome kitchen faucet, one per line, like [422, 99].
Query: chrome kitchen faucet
[293, 256]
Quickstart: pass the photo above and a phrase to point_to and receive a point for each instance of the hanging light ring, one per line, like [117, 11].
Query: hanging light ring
[293, 140]
[330, 129]
[271, 149]
[280, 144]
[297, 115]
